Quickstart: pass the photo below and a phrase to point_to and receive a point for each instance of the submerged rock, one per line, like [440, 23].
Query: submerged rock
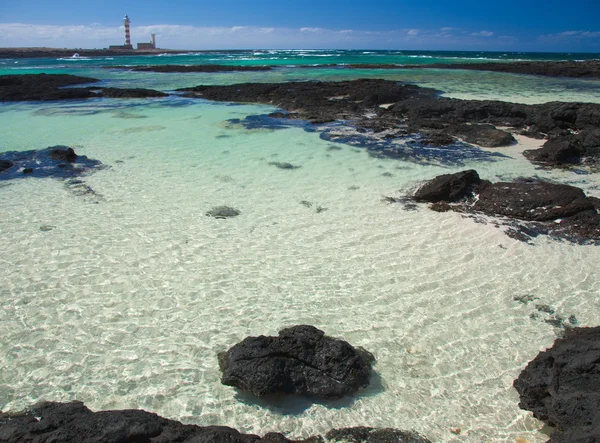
[75, 423]
[301, 360]
[284, 165]
[223, 212]
[561, 386]
[56, 161]
[374, 435]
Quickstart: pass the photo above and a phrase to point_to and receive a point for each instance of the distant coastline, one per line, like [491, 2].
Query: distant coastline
[68, 52]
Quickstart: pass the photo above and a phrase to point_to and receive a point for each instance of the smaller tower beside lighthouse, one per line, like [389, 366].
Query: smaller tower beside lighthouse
[126, 22]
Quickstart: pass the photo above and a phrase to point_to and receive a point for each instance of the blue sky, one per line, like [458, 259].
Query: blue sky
[509, 25]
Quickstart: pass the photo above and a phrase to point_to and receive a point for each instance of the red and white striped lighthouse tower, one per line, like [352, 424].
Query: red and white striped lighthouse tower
[126, 22]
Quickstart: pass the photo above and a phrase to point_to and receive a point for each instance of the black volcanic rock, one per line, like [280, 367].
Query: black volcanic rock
[131, 93]
[75, 423]
[192, 68]
[561, 386]
[555, 152]
[63, 153]
[5, 164]
[532, 200]
[528, 207]
[223, 212]
[584, 69]
[374, 435]
[448, 187]
[577, 69]
[568, 149]
[373, 106]
[483, 135]
[43, 87]
[301, 360]
[56, 161]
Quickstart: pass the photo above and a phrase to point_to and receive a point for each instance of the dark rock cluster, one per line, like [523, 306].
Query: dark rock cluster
[300, 360]
[579, 69]
[56, 161]
[75, 423]
[192, 68]
[46, 87]
[561, 386]
[396, 110]
[561, 211]
[43, 87]
[129, 93]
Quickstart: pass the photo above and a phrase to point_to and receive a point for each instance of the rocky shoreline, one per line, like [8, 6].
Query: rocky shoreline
[527, 207]
[575, 69]
[74, 423]
[391, 110]
[589, 69]
[381, 110]
[47, 87]
[68, 52]
[192, 68]
[561, 386]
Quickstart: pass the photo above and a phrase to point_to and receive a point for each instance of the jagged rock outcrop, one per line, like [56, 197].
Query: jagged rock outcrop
[532, 200]
[300, 360]
[530, 207]
[448, 187]
[561, 386]
[75, 423]
[45, 87]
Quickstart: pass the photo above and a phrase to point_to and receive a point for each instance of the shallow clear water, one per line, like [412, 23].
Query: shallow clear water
[125, 297]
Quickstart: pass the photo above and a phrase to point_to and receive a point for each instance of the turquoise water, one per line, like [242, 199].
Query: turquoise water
[457, 84]
[123, 297]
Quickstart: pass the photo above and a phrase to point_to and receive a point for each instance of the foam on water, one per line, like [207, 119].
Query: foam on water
[123, 298]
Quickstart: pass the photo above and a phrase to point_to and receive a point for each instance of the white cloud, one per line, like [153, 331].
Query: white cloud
[482, 34]
[311, 29]
[570, 35]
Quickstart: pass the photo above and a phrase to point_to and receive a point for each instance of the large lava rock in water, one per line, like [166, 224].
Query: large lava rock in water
[561, 386]
[532, 200]
[448, 187]
[301, 360]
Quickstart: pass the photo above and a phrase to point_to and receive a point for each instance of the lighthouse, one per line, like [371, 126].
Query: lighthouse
[126, 22]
